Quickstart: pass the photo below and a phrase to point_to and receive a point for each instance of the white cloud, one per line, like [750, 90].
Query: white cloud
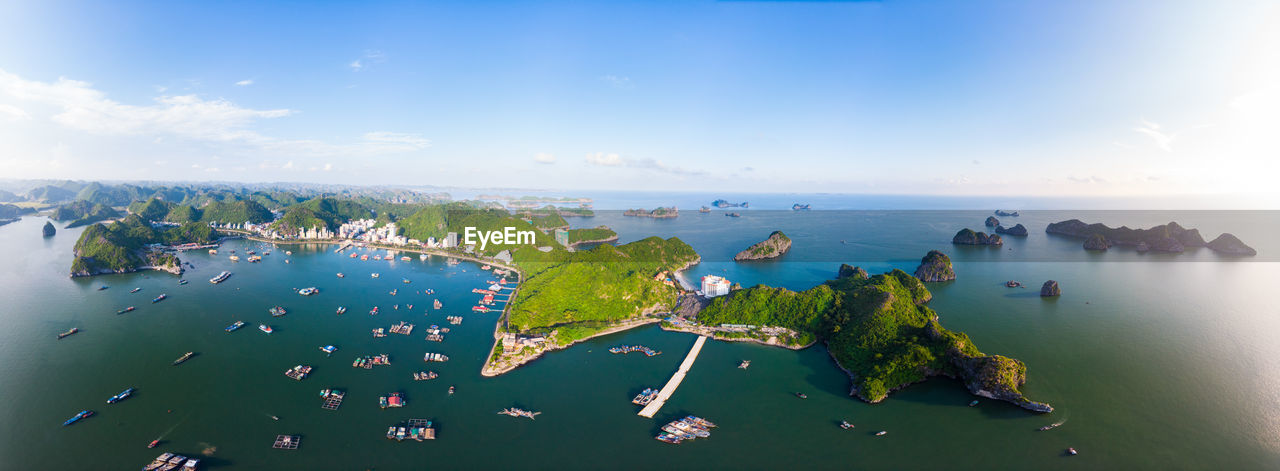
[287, 166]
[328, 167]
[544, 158]
[13, 113]
[409, 140]
[370, 57]
[1163, 140]
[617, 81]
[245, 82]
[355, 65]
[614, 160]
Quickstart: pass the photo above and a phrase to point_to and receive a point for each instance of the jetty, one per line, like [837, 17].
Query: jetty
[666, 391]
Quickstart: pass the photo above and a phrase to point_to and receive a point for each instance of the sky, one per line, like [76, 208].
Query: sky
[1038, 98]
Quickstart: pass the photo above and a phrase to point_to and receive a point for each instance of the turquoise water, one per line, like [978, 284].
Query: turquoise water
[1155, 362]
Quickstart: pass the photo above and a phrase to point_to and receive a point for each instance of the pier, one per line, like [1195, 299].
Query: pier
[674, 383]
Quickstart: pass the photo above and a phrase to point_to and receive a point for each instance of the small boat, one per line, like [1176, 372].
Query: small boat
[1072, 451]
[68, 332]
[220, 278]
[233, 327]
[422, 257]
[436, 304]
[265, 328]
[451, 390]
[127, 309]
[135, 290]
[844, 424]
[881, 433]
[341, 310]
[103, 287]
[340, 275]
[802, 395]
[974, 403]
[394, 291]
[120, 397]
[374, 311]
[329, 349]
[1050, 426]
[308, 291]
[234, 258]
[288, 252]
[184, 357]
[182, 282]
[405, 281]
[277, 311]
[744, 364]
[77, 417]
[213, 251]
[159, 298]
[374, 275]
[154, 443]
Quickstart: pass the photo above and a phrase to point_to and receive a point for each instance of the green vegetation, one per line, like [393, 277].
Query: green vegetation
[227, 212]
[546, 218]
[321, 212]
[121, 246]
[878, 329]
[425, 223]
[9, 211]
[580, 293]
[577, 212]
[83, 212]
[596, 233]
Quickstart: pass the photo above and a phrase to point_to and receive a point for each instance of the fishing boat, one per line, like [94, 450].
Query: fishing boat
[265, 328]
[394, 291]
[77, 417]
[802, 395]
[422, 257]
[405, 281]
[234, 258]
[973, 403]
[479, 309]
[881, 433]
[341, 310]
[288, 252]
[518, 412]
[154, 443]
[645, 397]
[135, 290]
[744, 364]
[451, 390]
[1072, 451]
[844, 424]
[220, 278]
[184, 357]
[191, 464]
[308, 291]
[436, 304]
[233, 327]
[329, 349]
[340, 275]
[485, 267]
[277, 311]
[374, 275]
[68, 332]
[182, 282]
[213, 251]
[425, 375]
[1012, 284]
[159, 298]
[374, 311]
[405, 258]
[127, 309]
[434, 357]
[120, 397]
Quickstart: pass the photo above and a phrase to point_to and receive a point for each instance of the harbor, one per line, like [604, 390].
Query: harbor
[663, 395]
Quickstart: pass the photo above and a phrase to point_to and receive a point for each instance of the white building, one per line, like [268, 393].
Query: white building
[713, 286]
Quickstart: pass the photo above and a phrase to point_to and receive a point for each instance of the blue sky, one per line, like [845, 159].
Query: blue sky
[1019, 98]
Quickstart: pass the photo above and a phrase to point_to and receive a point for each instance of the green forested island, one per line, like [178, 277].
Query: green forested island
[592, 235]
[122, 246]
[879, 330]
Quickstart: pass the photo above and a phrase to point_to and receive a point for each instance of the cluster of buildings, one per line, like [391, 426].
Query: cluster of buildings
[512, 342]
[367, 230]
[363, 230]
[713, 286]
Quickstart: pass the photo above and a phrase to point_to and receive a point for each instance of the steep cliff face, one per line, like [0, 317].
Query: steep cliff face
[772, 247]
[1050, 288]
[970, 237]
[1017, 230]
[935, 266]
[992, 221]
[49, 230]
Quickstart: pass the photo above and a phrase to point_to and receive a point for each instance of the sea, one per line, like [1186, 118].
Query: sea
[1151, 361]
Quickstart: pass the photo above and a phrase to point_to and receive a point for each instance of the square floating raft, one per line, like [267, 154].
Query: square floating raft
[287, 442]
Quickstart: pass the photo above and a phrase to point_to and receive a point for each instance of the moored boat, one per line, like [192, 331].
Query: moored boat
[120, 397]
[233, 327]
[341, 310]
[83, 414]
[265, 328]
[844, 424]
[184, 357]
[135, 290]
[68, 332]
[159, 298]
[308, 291]
[277, 311]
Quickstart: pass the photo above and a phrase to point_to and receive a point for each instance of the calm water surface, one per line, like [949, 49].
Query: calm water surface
[1155, 362]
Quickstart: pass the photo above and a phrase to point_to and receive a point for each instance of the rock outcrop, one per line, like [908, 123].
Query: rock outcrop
[1017, 230]
[1170, 237]
[1228, 244]
[773, 247]
[970, 237]
[935, 266]
[851, 271]
[998, 377]
[1003, 213]
[1096, 242]
[992, 221]
[1050, 288]
[49, 230]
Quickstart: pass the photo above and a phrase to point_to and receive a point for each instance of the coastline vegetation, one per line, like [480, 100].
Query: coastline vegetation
[591, 234]
[122, 246]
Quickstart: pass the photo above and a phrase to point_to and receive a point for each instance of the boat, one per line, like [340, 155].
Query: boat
[298, 372]
[233, 327]
[184, 357]
[213, 251]
[258, 258]
[154, 443]
[425, 375]
[744, 364]
[436, 304]
[182, 282]
[265, 328]
[159, 298]
[191, 464]
[135, 290]
[329, 349]
[234, 258]
[422, 257]
[374, 275]
[127, 309]
[405, 258]
[394, 291]
[288, 252]
[395, 399]
[103, 287]
[518, 412]
[802, 395]
[277, 311]
[308, 291]
[881, 433]
[340, 275]
[704, 210]
[68, 332]
[479, 309]
[405, 281]
[973, 403]
[1072, 451]
[434, 357]
[341, 310]
[485, 267]
[120, 397]
[374, 311]
[1050, 426]
[844, 424]
[645, 397]
[220, 278]
[450, 390]
[1013, 284]
[77, 417]
[733, 215]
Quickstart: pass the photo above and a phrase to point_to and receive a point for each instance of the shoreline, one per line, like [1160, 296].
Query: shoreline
[489, 371]
[706, 332]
